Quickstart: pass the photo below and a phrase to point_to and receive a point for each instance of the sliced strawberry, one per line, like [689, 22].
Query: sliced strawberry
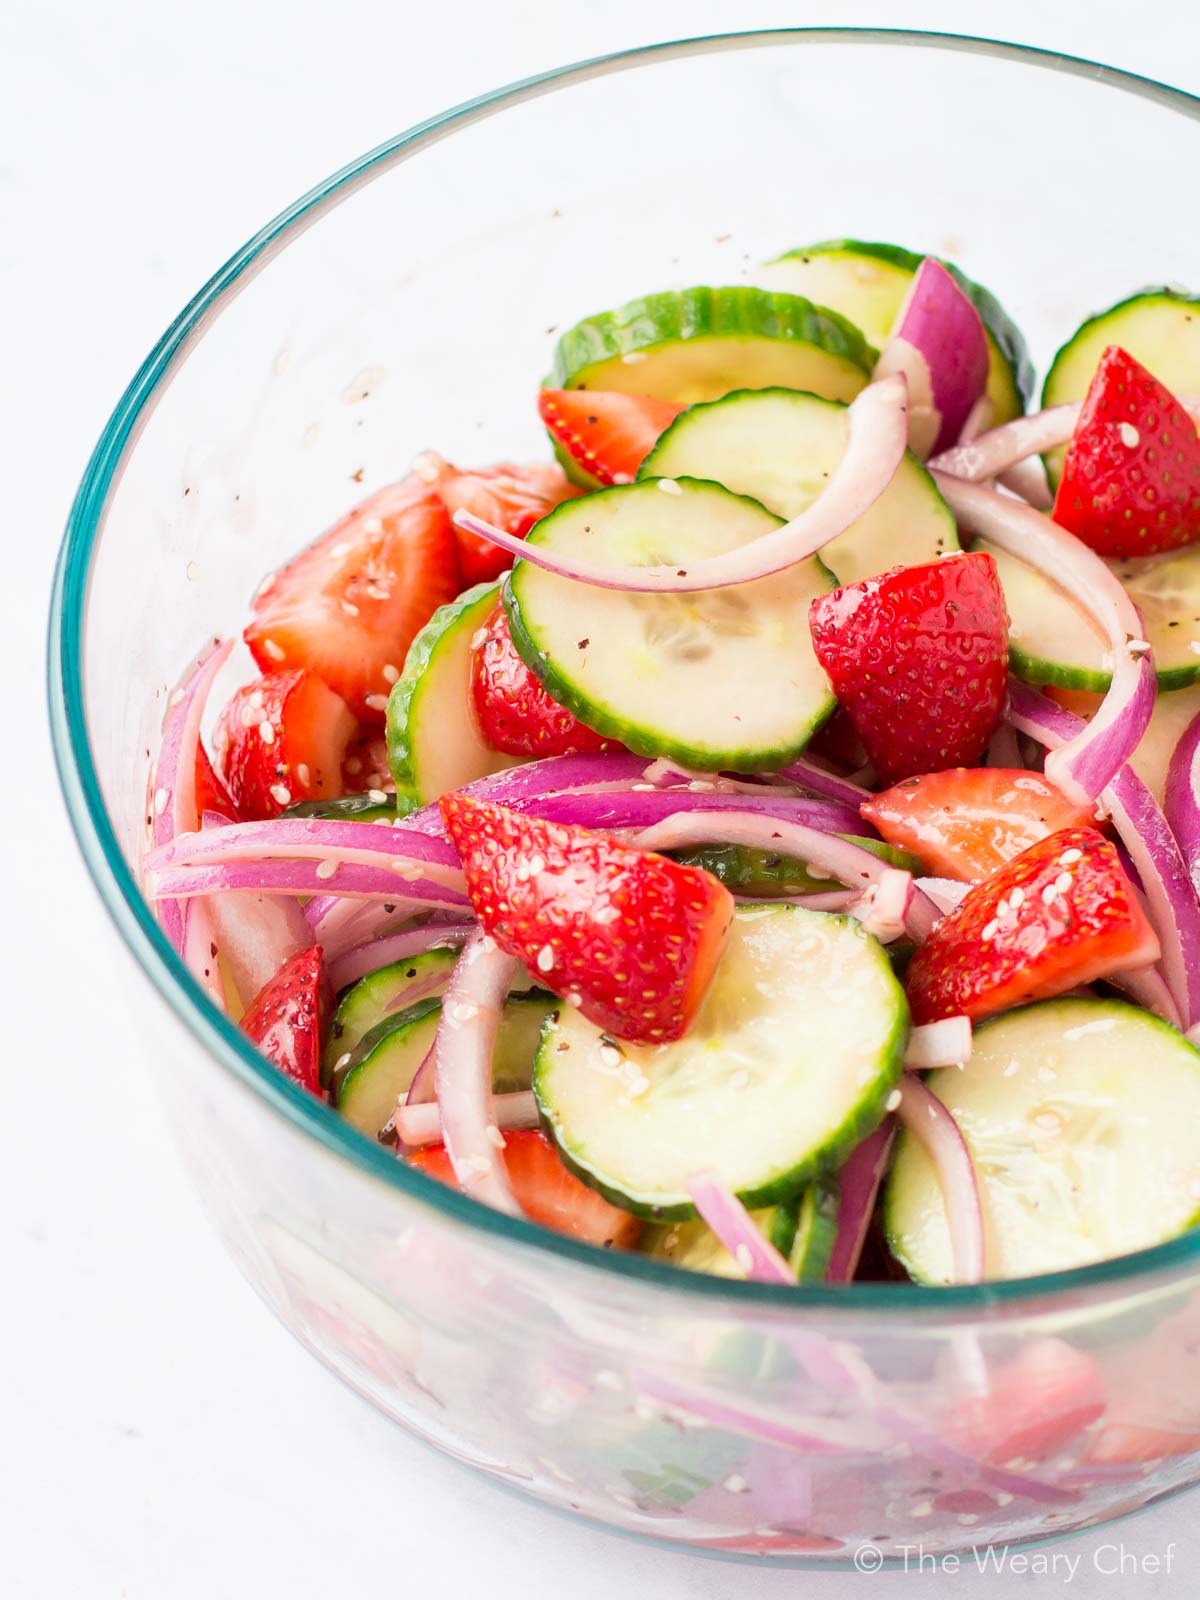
[607, 435]
[969, 821]
[347, 607]
[1130, 483]
[286, 1016]
[365, 765]
[1061, 914]
[211, 793]
[918, 656]
[629, 936]
[511, 497]
[1034, 1406]
[281, 740]
[515, 713]
[546, 1191]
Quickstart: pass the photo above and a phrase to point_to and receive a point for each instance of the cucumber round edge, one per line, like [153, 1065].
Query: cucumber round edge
[868, 1110]
[683, 316]
[638, 737]
[1005, 338]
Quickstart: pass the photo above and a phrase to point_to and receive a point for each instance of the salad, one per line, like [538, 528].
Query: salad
[766, 837]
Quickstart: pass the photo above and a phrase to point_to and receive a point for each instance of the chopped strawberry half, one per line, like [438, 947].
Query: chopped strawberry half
[211, 793]
[285, 1018]
[918, 656]
[966, 823]
[347, 608]
[515, 712]
[1034, 1406]
[510, 497]
[281, 740]
[606, 434]
[627, 935]
[546, 1191]
[1130, 483]
[365, 765]
[1061, 914]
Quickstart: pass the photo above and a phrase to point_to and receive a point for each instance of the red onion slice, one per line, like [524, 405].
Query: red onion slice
[1082, 767]
[859, 1179]
[1028, 481]
[946, 1043]
[1147, 988]
[806, 772]
[419, 1123]
[874, 450]
[936, 1131]
[256, 933]
[823, 852]
[312, 839]
[376, 953]
[1146, 835]
[200, 949]
[938, 343]
[733, 1225]
[883, 909]
[466, 1043]
[628, 808]
[944, 892]
[173, 798]
[304, 878]
[1181, 800]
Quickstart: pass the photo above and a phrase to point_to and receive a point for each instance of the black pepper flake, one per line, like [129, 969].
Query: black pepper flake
[389, 908]
[583, 644]
[212, 950]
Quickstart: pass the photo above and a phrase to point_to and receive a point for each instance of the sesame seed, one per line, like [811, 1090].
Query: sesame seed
[494, 1136]
[281, 795]
[990, 930]
[464, 1011]
[1063, 882]
[545, 958]
[349, 608]
[273, 650]
[669, 486]
[735, 1483]
[265, 585]
[1016, 897]
[1130, 437]
[326, 869]
[342, 1061]
[1070, 857]
[303, 773]
[478, 638]
[390, 673]
[374, 592]
[744, 1257]
[610, 1055]
[379, 796]
[376, 702]
[1138, 648]
[574, 999]
[266, 733]
[1050, 893]
[893, 1100]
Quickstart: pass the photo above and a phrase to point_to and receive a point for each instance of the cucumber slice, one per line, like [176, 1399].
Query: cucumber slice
[1051, 640]
[370, 1001]
[788, 1064]
[816, 1228]
[694, 1246]
[348, 808]
[1083, 1122]
[1168, 721]
[698, 344]
[433, 740]
[868, 282]
[387, 1059]
[763, 873]
[1160, 327]
[725, 678]
[780, 447]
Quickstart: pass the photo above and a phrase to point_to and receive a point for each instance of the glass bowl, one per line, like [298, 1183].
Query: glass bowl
[412, 301]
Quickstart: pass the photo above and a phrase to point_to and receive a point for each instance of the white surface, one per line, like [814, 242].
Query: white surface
[160, 1435]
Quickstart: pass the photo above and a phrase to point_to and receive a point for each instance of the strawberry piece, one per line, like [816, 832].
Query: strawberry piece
[1034, 1406]
[281, 740]
[547, 1192]
[510, 497]
[211, 793]
[629, 936]
[285, 1018]
[918, 656]
[365, 766]
[607, 435]
[1061, 914]
[969, 821]
[516, 714]
[1130, 483]
[348, 606]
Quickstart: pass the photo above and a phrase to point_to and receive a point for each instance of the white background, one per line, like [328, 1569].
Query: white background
[160, 1435]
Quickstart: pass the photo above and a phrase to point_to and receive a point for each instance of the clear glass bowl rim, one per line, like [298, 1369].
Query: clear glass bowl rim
[118, 887]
